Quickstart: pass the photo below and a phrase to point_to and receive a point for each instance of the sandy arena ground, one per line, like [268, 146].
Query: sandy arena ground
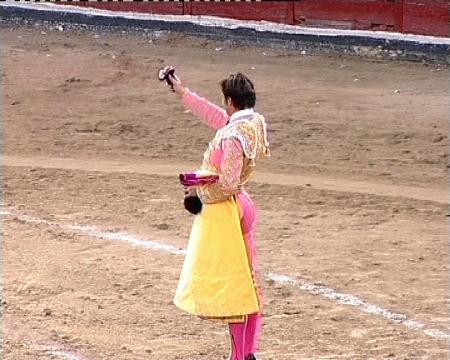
[354, 198]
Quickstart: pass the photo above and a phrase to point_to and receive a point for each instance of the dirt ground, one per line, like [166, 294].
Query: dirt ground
[91, 138]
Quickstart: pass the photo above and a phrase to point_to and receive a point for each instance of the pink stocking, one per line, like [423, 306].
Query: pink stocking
[248, 222]
[252, 333]
[237, 338]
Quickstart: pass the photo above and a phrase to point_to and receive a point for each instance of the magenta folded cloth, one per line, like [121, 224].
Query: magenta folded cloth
[198, 179]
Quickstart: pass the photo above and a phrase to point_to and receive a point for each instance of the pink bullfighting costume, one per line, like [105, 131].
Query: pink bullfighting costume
[218, 279]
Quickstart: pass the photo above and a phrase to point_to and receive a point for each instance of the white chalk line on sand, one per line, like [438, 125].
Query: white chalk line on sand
[329, 293]
[56, 351]
[63, 354]
[131, 239]
[348, 299]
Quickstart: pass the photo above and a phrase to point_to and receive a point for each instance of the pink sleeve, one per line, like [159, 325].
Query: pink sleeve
[211, 114]
[231, 166]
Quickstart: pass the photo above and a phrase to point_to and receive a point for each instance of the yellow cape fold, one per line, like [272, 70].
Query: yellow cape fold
[216, 280]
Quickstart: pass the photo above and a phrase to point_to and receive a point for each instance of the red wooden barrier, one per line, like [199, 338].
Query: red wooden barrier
[165, 8]
[275, 11]
[427, 17]
[349, 14]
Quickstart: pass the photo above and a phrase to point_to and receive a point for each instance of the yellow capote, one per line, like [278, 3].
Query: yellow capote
[216, 280]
